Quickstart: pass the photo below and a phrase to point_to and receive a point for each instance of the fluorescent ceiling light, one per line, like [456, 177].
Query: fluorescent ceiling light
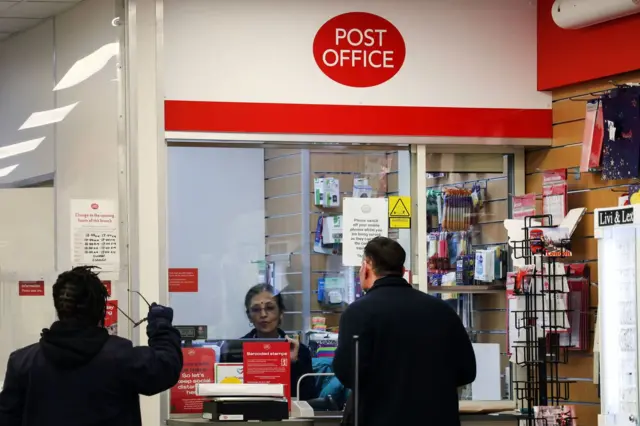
[19, 148]
[88, 66]
[7, 170]
[51, 116]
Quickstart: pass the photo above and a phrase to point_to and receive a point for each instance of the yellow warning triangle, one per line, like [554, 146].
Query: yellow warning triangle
[400, 210]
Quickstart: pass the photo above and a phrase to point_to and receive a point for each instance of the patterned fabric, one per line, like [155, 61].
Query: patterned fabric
[621, 148]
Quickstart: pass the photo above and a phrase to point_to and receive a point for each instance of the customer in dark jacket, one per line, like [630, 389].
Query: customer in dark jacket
[78, 375]
[414, 351]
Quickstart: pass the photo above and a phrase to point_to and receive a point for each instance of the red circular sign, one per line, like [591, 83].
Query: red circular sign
[359, 49]
[94, 206]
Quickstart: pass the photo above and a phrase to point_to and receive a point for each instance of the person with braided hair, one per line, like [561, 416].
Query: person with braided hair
[79, 375]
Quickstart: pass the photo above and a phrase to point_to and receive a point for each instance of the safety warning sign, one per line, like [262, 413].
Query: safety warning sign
[399, 212]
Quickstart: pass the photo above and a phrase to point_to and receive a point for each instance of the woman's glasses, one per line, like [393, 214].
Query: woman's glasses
[135, 323]
[257, 310]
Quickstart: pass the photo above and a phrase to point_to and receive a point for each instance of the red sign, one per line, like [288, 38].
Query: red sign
[31, 288]
[183, 280]
[111, 317]
[107, 284]
[359, 49]
[199, 366]
[268, 362]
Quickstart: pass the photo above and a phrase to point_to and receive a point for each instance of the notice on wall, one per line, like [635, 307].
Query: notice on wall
[111, 317]
[95, 234]
[198, 367]
[31, 288]
[363, 219]
[107, 285]
[229, 372]
[183, 280]
[269, 363]
[399, 212]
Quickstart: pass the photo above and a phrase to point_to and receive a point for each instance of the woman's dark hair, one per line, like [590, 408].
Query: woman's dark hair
[261, 288]
[80, 295]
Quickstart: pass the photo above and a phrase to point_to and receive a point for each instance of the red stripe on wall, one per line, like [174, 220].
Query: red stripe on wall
[238, 117]
[568, 57]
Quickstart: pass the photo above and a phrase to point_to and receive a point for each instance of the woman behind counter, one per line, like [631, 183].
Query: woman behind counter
[265, 310]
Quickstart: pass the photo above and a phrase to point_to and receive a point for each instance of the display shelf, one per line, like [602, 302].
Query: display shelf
[468, 289]
[381, 170]
[481, 306]
[540, 319]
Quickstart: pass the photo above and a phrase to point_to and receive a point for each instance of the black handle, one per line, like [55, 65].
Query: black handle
[356, 387]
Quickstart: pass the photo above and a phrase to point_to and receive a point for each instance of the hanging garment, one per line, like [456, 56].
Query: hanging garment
[621, 149]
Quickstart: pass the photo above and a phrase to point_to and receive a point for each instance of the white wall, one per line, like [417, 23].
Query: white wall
[216, 223]
[26, 83]
[82, 150]
[460, 53]
[26, 253]
[86, 153]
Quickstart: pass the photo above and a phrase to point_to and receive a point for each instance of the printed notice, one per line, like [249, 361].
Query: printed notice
[198, 367]
[95, 234]
[183, 280]
[363, 219]
[111, 317]
[31, 288]
[269, 363]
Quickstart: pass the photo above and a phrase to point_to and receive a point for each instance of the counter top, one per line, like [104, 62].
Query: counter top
[335, 420]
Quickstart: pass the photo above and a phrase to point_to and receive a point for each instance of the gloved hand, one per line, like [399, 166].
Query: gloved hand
[159, 313]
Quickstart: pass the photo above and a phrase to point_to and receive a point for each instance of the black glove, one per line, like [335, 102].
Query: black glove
[159, 313]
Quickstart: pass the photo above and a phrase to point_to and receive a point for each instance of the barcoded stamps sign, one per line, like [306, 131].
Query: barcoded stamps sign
[363, 219]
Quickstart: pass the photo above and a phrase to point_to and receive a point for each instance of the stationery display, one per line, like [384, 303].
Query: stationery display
[621, 142]
[578, 304]
[454, 209]
[554, 194]
[544, 316]
[611, 137]
[524, 205]
[592, 136]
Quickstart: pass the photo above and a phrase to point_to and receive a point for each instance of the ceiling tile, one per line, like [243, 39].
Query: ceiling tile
[4, 5]
[37, 9]
[12, 25]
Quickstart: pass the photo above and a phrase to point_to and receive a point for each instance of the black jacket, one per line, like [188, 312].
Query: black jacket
[414, 354]
[298, 369]
[80, 376]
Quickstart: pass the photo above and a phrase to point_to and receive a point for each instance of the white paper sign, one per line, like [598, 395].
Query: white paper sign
[95, 234]
[363, 219]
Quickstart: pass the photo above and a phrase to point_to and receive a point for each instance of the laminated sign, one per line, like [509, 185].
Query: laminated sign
[198, 367]
[268, 363]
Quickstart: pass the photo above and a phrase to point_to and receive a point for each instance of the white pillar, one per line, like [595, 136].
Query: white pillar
[147, 168]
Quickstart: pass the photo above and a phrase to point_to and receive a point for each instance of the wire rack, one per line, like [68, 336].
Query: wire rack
[538, 349]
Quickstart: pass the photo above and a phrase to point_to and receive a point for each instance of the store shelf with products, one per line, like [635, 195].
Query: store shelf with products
[584, 189]
[304, 265]
[467, 203]
[540, 320]
[360, 174]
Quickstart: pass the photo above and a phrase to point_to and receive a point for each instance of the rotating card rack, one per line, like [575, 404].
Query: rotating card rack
[538, 349]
